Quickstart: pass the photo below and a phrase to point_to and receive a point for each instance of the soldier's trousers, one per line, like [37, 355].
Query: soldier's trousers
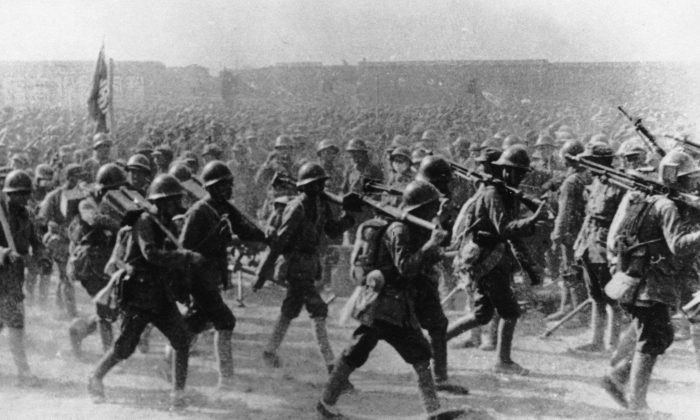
[596, 276]
[208, 305]
[408, 342]
[432, 318]
[168, 320]
[303, 293]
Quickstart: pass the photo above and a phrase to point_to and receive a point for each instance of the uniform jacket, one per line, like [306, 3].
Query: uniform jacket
[25, 238]
[305, 222]
[156, 262]
[571, 205]
[663, 221]
[603, 201]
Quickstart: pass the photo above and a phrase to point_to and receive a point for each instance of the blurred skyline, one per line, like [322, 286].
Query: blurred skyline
[235, 33]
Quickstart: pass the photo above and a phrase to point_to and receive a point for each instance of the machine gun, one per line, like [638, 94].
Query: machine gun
[648, 138]
[531, 203]
[685, 142]
[267, 265]
[372, 186]
[629, 181]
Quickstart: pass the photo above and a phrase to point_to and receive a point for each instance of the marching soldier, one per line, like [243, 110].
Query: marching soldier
[92, 234]
[39, 265]
[212, 152]
[655, 224]
[162, 157]
[208, 229]
[360, 169]
[279, 161]
[154, 262]
[590, 253]
[401, 173]
[55, 213]
[492, 221]
[307, 218]
[404, 250]
[102, 147]
[245, 192]
[327, 153]
[138, 169]
[571, 206]
[18, 236]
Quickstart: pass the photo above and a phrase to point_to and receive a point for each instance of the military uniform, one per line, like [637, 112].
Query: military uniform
[305, 222]
[353, 181]
[208, 229]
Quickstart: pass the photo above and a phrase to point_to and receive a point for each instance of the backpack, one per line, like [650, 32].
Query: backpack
[368, 241]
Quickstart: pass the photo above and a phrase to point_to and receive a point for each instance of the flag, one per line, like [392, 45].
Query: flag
[100, 98]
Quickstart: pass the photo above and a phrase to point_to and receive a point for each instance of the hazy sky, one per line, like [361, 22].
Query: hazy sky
[217, 33]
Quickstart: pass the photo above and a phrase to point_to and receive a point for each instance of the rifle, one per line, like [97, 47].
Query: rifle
[4, 221]
[267, 265]
[371, 185]
[644, 133]
[531, 203]
[630, 181]
[685, 142]
[566, 318]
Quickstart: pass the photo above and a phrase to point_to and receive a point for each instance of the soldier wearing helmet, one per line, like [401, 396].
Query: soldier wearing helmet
[306, 221]
[92, 232]
[567, 224]
[401, 173]
[56, 211]
[544, 154]
[102, 147]
[492, 216]
[17, 190]
[604, 199]
[327, 153]
[360, 169]
[209, 227]
[430, 139]
[278, 161]
[671, 243]
[39, 266]
[211, 152]
[148, 297]
[633, 154]
[245, 191]
[162, 157]
[461, 150]
[138, 169]
[417, 156]
[409, 249]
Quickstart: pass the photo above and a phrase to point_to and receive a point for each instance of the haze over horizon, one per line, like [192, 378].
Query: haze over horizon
[235, 33]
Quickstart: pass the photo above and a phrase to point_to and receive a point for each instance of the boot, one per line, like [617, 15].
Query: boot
[613, 327]
[347, 387]
[695, 338]
[615, 382]
[340, 374]
[324, 345]
[597, 324]
[19, 355]
[426, 385]
[78, 330]
[95, 387]
[563, 304]
[461, 326]
[491, 336]
[505, 364]
[439, 346]
[224, 353]
[106, 335]
[270, 353]
[179, 369]
[640, 375]
[625, 347]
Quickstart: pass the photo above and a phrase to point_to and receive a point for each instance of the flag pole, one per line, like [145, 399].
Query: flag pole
[112, 128]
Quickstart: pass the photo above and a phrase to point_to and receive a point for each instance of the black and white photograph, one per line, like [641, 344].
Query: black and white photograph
[349, 209]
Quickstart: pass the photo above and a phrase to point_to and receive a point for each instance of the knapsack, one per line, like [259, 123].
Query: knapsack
[365, 252]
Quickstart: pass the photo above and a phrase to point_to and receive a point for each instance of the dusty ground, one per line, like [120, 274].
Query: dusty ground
[562, 384]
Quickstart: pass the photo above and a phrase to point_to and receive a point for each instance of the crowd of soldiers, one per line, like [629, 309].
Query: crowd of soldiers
[158, 218]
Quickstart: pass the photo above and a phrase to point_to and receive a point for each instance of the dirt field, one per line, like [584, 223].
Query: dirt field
[562, 384]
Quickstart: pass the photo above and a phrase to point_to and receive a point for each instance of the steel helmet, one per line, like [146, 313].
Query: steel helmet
[417, 155]
[598, 150]
[400, 152]
[180, 171]
[213, 150]
[110, 175]
[356, 145]
[43, 171]
[434, 169]
[571, 147]
[326, 144]
[214, 172]
[17, 181]
[138, 162]
[545, 141]
[419, 193]
[101, 140]
[489, 155]
[164, 186]
[284, 142]
[514, 157]
[429, 135]
[310, 172]
[675, 164]
[511, 140]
